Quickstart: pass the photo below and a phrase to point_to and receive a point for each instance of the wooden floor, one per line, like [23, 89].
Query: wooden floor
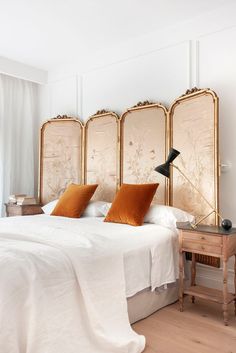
[199, 329]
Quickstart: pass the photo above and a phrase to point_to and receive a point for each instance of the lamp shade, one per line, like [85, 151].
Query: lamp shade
[164, 169]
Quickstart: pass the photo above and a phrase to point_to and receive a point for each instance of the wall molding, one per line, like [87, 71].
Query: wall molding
[193, 63]
[80, 96]
[219, 19]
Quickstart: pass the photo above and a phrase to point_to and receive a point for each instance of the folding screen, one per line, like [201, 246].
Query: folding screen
[144, 143]
[102, 132]
[60, 156]
[194, 132]
[128, 149]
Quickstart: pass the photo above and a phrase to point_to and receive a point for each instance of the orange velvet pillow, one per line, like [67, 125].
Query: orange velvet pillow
[131, 204]
[74, 200]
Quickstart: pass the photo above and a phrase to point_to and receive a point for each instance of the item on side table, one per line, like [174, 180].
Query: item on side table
[13, 198]
[226, 224]
[164, 169]
[26, 200]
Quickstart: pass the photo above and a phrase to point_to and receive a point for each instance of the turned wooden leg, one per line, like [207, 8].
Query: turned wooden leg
[181, 280]
[193, 273]
[225, 292]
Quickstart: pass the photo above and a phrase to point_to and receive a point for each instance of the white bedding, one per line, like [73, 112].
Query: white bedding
[150, 252]
[60, 279]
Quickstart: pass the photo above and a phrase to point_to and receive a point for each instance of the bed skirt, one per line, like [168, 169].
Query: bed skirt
[146, 302]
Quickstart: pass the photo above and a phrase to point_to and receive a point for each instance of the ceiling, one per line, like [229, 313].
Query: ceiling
[47, 33]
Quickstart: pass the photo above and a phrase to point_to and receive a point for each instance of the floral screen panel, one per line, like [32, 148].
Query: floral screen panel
[61, 157]
[143, 147]
[194, 121]
[102, 155]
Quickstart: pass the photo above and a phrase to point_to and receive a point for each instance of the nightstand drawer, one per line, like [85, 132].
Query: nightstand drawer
[202, 248]
[203, 238]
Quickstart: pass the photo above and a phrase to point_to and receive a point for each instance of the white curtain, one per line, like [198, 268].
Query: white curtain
[18, 141]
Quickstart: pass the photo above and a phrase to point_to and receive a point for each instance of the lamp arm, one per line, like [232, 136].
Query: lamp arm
[202, 219]
[194, 187]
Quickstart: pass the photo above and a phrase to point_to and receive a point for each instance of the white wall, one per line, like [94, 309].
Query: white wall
[217, 58]
[160, 67]
[122, 85]
[119, 85]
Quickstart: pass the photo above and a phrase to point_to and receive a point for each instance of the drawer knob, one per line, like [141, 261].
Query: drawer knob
[203, 248]
[203, 238]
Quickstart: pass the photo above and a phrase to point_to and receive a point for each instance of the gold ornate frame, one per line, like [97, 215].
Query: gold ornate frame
[187, 97]
[63, 118]
[190, 94]
[101, 114]
[142, 106]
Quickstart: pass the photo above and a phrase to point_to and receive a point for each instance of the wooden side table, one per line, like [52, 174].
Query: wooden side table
[212, 241]
[22, 210]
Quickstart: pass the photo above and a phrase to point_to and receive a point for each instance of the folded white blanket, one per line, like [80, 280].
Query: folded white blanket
[62, 291]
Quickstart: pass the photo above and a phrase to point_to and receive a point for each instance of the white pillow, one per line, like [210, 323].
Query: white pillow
[167, 216]
[94, 209]
[49, 207]
[105, 208]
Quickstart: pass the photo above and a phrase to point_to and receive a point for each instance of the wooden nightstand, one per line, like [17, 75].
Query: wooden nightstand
[23, 210]
[212, 241]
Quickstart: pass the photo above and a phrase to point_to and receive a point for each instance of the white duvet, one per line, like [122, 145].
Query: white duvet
[63, 283]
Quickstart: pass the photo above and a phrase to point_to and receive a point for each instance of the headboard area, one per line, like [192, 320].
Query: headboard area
[144, 144]
[61, 156]
[102, 149]
[194, 132]
[110, 150]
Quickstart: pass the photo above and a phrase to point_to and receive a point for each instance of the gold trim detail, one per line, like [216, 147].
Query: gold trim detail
[144, 103]
[101, 112]
[63, 117]
[191, 90]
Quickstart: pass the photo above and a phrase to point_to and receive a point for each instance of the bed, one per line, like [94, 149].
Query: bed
[75, 285]
[39, 286]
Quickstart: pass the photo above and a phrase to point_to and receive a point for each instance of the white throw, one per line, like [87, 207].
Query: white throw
[62, 290]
